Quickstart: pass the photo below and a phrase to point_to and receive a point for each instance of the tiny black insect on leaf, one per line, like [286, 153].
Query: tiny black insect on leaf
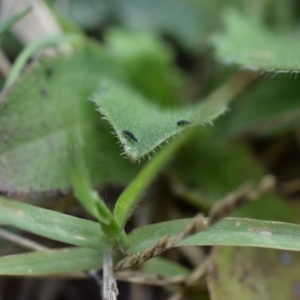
[49, 72]
[130, 135]
[183, 123]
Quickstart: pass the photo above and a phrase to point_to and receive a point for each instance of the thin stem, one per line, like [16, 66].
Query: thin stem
[21, 241]
[233, 87]
[34, 47]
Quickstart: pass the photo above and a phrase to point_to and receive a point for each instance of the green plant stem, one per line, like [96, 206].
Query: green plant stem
[89, 198]
[133, 193]
[233, 87]
[7, 24]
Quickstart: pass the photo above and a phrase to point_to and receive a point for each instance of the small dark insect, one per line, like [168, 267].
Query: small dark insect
[43, 93]
[183, 123]
[130, 135]
[49, 72]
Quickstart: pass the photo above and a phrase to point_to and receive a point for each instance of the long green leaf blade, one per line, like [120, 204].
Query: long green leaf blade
[51, 262]
[229, 232]
[50, 224]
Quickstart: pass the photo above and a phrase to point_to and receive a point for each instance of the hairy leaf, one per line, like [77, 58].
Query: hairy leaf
[142, 126]
[249, 44]
[35, 117]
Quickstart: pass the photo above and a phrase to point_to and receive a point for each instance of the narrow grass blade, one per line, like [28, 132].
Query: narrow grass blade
[50, 224]
[228, 232]
[89, 198]
[51, 262]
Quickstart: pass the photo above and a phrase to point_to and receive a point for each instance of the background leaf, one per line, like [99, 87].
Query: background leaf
[35, 118]
[209, 166]
[253, 273]
[7, 24]
[183, 20]
[249, 44]
[148, 63]
[271, 107]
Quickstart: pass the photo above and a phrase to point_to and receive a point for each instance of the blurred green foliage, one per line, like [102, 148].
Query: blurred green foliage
[155, 70]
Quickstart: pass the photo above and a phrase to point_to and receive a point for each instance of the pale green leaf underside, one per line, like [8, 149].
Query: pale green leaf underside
[51, 224]
[150, 125]
[229, 232]
[249, 44]
[51, 262]
[35, 117]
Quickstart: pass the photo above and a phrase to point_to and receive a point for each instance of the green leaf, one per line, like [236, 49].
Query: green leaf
[181, 19]
[253, 273]
[148, 63]
[249, 44]
[7, 24]
[35, 121]
[133, 193]
[52, 225]
[142, 126]
[89, 16]
[228, 232]
[51, 262]
[90, 199]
